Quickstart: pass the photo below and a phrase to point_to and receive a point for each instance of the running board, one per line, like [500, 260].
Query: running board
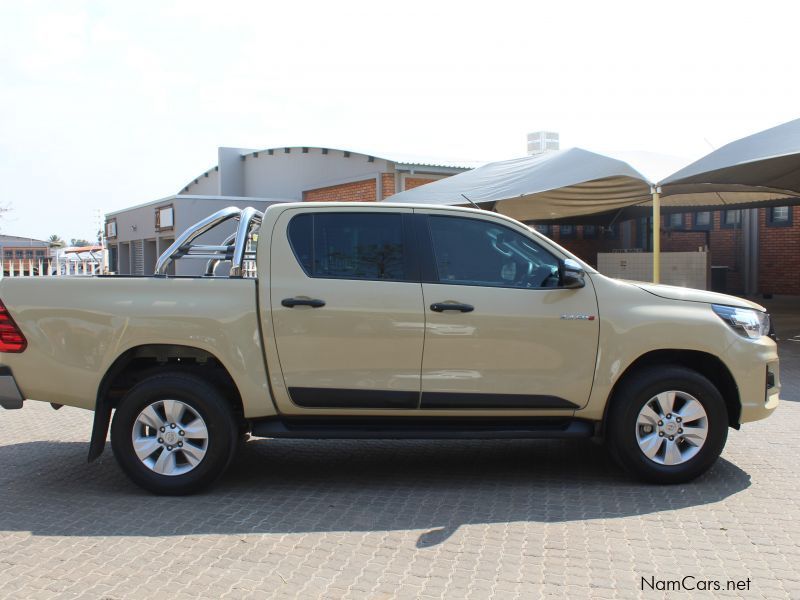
[406, 428]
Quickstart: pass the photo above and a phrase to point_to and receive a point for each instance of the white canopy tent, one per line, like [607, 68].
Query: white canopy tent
[761, 168]
[549, 186]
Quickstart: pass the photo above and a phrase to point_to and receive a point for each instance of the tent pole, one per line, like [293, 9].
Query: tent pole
[656, 192]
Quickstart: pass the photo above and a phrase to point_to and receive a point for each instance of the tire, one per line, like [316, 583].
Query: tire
[195, 453]
[667, 448]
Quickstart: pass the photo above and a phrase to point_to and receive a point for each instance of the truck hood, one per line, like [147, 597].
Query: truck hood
[671, 292]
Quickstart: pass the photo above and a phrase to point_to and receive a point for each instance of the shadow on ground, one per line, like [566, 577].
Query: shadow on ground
[286, 486]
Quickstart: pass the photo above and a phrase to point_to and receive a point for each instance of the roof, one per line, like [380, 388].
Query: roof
[75, 249]
[402, 162]
[401, 159]
[187, 197]
[15, 240]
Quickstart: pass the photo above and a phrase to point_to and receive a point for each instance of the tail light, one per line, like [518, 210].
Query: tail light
[11, 338]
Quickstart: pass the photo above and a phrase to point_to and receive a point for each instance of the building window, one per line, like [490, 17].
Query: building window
[731, 219]
[675, 221]
[566, 232]
[40, 254]
[165, 218]
[610, 232]
[702, 221]
[8, 254]
[111, 229]
[543, 229]
[589, 232]
[779, 216]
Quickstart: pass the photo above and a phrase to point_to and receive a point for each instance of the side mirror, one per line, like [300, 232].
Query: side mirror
[572, 274]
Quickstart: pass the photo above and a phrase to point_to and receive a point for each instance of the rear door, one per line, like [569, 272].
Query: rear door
[347, 310]
[500, 331]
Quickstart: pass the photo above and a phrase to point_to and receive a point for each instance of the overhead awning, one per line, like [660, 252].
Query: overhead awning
[758, 170]
[556, 185]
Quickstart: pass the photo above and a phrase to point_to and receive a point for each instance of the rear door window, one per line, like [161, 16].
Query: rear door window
[349, 245]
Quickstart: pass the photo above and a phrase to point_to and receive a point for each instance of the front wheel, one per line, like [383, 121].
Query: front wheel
[667, 425]
[173, 434]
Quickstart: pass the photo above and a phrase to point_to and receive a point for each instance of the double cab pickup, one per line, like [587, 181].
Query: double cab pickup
[349, 320]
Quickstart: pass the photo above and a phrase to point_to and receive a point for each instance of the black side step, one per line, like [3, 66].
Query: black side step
[406, 428]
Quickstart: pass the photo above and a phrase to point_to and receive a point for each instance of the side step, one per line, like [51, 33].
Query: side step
[409, 428]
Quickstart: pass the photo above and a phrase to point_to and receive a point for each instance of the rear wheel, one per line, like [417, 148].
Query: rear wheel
[173, 434]
[667, 424]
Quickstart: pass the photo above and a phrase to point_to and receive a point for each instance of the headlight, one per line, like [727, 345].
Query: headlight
[745, 321]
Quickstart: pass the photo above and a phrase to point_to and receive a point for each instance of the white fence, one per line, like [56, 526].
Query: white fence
[28, 267]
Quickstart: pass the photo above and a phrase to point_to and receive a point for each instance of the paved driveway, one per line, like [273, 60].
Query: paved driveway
[400, 519]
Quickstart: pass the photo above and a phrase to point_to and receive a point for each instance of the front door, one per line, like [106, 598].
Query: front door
[500, 332]
[347, 310]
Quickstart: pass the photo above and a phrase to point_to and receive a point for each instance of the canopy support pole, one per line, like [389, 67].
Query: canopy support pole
[656, 192]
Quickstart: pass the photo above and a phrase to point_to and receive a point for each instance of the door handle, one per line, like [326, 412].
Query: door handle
[292, 302]
[443, 306]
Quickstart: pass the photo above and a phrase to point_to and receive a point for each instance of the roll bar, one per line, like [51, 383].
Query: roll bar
[233, 249]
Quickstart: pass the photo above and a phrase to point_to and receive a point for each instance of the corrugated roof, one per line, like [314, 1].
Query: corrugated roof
[11, 240]
[400, 159]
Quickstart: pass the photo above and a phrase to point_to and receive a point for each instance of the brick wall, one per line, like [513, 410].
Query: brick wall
[778, 258]
[361, 191]
[413, 182]
[779, 255]
[725, 246]
[387, 181]
[354, 191]
[585, 249]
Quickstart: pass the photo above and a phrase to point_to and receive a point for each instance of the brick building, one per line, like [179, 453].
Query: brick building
[776, 259]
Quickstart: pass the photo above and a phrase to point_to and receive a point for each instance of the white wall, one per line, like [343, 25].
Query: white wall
[282, 174]
[686, 269]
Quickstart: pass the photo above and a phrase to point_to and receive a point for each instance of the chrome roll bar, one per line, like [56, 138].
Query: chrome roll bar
[211, 265]
[233, 249]
[248, 216]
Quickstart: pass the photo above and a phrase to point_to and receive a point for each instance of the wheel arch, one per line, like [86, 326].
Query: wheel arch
[704, 363]
[139, 362]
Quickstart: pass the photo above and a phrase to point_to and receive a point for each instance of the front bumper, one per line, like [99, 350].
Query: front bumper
[757, 372]
[10, 396]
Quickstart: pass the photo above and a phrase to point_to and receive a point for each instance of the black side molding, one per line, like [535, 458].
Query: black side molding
[341, 398]
[457, 400]
[345, 398]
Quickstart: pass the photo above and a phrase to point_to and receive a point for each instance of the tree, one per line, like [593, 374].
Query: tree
[79, 242]
[55, 241]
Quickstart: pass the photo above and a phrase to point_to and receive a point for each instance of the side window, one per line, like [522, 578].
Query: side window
[349, 245]
[474, 252]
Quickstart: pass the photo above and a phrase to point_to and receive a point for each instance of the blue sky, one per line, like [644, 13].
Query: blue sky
[108, 104]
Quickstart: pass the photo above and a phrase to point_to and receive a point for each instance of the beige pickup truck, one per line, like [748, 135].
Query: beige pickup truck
[344, 320]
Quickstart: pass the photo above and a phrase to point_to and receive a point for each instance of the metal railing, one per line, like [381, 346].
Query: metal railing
[236, 248]
[50, 267]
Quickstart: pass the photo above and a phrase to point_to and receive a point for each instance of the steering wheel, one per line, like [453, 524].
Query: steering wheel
[541, 277]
